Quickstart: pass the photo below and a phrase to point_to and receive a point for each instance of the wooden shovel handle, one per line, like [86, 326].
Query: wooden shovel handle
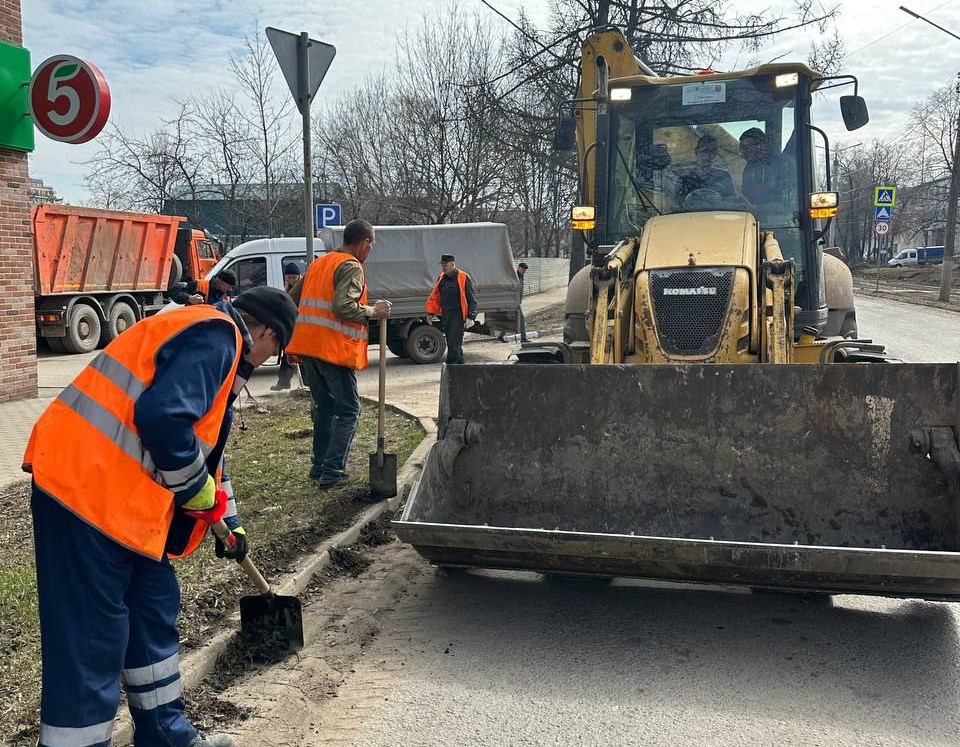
[223, 533]
[381, 399]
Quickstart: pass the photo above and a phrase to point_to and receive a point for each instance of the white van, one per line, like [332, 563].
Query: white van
[403, 268]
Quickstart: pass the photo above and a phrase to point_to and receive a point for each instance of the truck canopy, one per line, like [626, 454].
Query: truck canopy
[406, 262]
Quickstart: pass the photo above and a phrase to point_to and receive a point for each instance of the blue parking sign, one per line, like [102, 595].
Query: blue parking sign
[327, 215]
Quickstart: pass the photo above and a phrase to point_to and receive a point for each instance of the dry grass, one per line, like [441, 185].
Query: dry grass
[285, 515]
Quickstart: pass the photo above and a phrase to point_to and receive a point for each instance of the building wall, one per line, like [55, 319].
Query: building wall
[18, 349]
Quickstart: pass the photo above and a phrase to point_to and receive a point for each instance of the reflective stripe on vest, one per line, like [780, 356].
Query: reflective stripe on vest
[433, 303]
[319, 332]
[86, 451]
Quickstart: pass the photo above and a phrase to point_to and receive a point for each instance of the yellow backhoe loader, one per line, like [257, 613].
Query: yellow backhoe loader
[710, 415]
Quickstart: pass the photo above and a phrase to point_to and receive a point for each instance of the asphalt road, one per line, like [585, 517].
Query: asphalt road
[918, 334]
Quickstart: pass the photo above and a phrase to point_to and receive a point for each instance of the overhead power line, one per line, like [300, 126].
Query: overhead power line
[899, 28]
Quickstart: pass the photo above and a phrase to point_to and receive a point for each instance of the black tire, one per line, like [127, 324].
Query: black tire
[121, 318]
[56, 344]
[176, 271]
[396, 346]
[83, 329]
[426, 344]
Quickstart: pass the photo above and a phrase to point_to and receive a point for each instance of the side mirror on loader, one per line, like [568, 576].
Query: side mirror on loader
[854, 112]
[565, 136]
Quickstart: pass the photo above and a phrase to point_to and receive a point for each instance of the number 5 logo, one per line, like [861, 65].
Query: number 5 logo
[69, 99]
[58, 88]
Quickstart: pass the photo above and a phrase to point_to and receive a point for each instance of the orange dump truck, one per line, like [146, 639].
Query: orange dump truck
[100, 271]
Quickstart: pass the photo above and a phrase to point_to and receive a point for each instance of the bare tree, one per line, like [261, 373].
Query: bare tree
[268, 116]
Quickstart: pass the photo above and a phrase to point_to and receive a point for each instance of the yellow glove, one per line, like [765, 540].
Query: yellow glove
[205, 498]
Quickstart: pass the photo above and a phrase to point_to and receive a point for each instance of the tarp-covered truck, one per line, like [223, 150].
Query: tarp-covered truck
[403, 268]
[100, 271]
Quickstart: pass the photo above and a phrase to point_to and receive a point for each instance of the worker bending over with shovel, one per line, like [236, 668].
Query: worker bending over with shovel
[125, 467]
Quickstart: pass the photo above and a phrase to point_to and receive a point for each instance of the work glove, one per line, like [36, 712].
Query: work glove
[204, 500]
[239, 550]
[468, 323]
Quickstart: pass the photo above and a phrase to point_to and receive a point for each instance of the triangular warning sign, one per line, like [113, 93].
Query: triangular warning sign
[884, 197]
[319, 57]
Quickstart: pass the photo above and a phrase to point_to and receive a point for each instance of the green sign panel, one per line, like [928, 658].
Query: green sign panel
[16, 126]
[884, 196]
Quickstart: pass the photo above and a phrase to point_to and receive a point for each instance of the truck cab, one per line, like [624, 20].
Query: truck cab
[905, 258]
[197, 252]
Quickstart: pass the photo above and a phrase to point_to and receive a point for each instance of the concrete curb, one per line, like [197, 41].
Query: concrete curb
[196, 665]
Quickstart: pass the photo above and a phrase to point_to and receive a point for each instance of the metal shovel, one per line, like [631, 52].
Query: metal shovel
[383, 467]
[266, 615]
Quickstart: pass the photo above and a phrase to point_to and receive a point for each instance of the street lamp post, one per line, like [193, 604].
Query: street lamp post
[949, 240]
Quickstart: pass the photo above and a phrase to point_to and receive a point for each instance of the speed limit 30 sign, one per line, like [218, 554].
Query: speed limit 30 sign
[69, 99]
[881, 227]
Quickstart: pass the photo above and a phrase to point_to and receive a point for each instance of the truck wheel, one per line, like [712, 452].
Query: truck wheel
[176, 271]
[122, 317]
[83, 329]
[56, 344]
[396, 346]
[425, 344]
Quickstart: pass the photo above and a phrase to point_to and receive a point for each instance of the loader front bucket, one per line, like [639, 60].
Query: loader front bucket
[838, 477]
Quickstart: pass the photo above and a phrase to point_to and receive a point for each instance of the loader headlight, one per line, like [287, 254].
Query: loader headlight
[620, 94]
[786, 80]
[583, 218]
[824, 204]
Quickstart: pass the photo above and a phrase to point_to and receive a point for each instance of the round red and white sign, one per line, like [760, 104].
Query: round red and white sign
[69, 99]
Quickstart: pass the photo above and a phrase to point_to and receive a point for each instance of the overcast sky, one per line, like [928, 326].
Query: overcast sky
[154, 51]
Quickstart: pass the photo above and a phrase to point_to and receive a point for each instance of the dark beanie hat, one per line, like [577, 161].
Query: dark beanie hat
[228, 276]
[272, 307]
[291, 268]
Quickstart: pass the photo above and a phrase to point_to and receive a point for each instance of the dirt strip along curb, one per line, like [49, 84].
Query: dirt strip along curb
[903, 298]
[200, 662]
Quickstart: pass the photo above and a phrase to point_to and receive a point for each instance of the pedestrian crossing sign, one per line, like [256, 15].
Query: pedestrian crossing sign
[884, 196]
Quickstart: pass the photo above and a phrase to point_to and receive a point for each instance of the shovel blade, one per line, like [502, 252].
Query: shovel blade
[383, 475]
[268, 616]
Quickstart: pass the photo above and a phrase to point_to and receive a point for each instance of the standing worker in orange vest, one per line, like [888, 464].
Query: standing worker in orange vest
[330, 344]
[125, 465]
[454, 300]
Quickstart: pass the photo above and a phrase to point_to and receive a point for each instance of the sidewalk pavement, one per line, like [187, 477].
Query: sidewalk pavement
[56, 371]
[16, 422]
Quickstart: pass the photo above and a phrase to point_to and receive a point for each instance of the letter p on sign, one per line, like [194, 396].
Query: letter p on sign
[327, 215]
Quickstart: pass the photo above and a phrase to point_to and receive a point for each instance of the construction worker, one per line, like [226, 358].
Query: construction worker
[330, 345]
[291, 278]
[454, 300]
[124, 466]
[205, 291]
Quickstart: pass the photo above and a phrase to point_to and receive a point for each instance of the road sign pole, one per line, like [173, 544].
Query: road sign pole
[876, 243]
[303, 98]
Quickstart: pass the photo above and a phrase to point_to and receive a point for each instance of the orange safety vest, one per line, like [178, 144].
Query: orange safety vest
[319, 333]
[433, 303]
[85, 451]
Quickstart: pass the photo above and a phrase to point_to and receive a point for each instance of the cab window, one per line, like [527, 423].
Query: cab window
[251, 272]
